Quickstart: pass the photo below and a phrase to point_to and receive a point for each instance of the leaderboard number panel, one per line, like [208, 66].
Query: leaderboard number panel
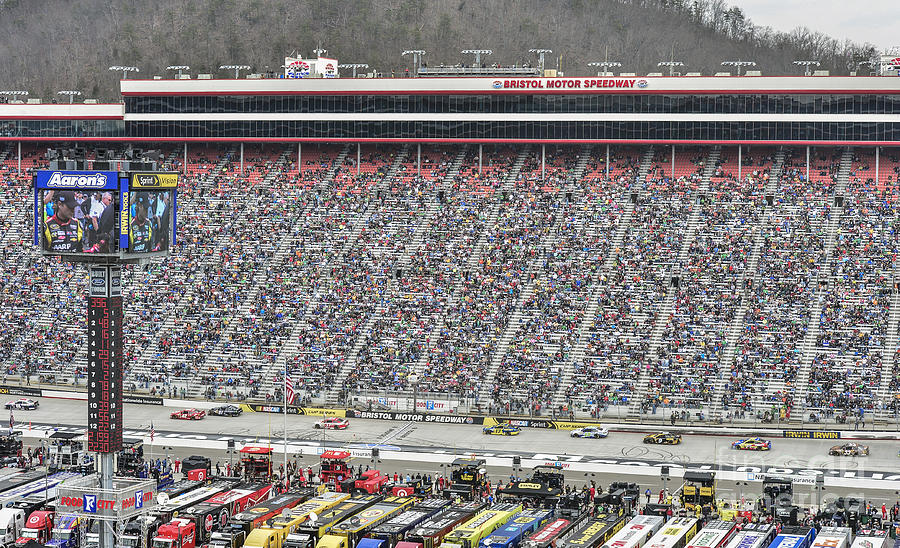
[105, 370]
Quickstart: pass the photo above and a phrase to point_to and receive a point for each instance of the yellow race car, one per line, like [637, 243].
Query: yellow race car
[663, 438]
[504, 429]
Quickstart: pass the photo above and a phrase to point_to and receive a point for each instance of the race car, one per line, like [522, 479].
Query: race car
[188, 414]
[503, 429]
[228, 410]
[851, 449]
[663, 438]
[332, 423]
[752, 444]
[590, 432]
[22, 403]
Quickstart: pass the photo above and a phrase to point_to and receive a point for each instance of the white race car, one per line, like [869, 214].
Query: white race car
[22, 403]
[590, 432]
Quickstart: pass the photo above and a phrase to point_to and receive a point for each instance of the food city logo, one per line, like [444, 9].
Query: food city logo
[62, 180]
[92, 503]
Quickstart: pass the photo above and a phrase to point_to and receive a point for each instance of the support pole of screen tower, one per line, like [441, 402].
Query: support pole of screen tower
[284, 479]
[105, 369]
[739, 163]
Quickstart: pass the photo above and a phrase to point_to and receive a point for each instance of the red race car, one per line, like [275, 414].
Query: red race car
[332, 423]
[188, 414]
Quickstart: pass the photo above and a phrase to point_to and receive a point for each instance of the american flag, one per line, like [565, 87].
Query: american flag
[289, 390]
[152, 432]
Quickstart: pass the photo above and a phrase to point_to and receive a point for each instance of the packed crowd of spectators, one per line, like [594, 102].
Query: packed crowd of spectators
[370, 282]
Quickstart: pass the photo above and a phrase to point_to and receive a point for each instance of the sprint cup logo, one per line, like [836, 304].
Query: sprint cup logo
[147, 180]
[154, 180]
[61, 180]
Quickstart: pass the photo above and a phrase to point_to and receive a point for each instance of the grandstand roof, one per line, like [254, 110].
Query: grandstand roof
[590, 84]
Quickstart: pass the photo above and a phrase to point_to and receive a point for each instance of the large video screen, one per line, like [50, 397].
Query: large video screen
[149, 221]
[76, 221]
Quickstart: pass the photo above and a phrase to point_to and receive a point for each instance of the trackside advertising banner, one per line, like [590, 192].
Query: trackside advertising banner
[21, 391]
[291, 410]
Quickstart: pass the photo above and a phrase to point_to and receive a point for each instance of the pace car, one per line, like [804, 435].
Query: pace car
[663, 438]
[228, 410]
[590, 432]
[332, 423]
[188, 414]
[752, 444]
[503, 429]
[22, 403]
[851, 449]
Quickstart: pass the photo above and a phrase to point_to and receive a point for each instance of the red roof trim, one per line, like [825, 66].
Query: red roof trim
[602, 91]
[62, 117]
[446, 141]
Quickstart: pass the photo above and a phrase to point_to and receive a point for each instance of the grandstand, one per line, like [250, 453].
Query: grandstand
[632, 278]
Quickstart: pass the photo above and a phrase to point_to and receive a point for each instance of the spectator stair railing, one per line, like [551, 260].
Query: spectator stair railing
[668, 306]
[821, 285]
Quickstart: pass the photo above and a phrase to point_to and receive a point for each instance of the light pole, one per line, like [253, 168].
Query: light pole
[235, 68]
[417, 55]
[414, 382]
[477, 53]
[738, 64]
[124, 70]
[179, 68]
[671, 65]
[319, 51]
[540, 53]
[353, 66]
[70, 92]
[605, 65]
[14, 93]
[806, 65]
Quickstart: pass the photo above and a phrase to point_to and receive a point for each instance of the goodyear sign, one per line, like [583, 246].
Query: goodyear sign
[154, 180]
[812, 434]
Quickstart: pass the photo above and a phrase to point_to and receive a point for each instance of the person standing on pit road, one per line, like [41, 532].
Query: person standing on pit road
[141, 234]
[63, 232]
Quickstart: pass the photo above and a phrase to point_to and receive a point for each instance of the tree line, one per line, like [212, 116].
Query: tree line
[48, 45]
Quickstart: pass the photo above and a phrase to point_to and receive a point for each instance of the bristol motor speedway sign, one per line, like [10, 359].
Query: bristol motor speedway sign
[570, 83]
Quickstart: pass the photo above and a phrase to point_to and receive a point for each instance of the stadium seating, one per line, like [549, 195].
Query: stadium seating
[507, 286]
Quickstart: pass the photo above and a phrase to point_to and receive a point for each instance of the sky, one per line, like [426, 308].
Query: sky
[874, 21]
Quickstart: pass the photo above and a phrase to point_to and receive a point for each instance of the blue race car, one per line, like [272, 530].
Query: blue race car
[502, 429]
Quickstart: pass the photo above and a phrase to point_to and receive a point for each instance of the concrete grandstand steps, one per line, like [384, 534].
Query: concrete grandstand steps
[432, 210]
[332, 171]
[891, 347]
[508, 186]
[646, 164]
[518, 315]
[656, 340]
[141, 365]
[822, 282]
[255, 285]
[693, 227]
[729, 351]
[579, 351]
[577, 172]
[775, 171]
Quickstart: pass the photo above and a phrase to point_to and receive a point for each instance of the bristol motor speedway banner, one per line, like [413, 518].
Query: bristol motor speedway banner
[415, 417]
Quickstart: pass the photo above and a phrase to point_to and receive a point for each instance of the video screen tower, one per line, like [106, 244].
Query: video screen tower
[104, 212]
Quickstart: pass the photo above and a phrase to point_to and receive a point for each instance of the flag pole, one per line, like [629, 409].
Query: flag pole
[285, 426]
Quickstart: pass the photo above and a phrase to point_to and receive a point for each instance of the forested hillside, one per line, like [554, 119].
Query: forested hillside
[49, 45]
